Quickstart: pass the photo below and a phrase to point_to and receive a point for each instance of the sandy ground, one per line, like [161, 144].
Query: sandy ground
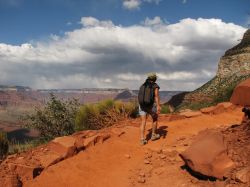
[123, 162]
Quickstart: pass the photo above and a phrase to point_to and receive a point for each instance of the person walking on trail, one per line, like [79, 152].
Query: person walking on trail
[149, 104]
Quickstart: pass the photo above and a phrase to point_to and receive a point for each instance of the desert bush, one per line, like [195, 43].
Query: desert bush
[104, 114]
[4, 145]
[57, 118]
[165, 109]
[225, 95]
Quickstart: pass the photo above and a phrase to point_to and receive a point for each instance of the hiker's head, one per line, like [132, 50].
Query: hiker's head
[152, 77]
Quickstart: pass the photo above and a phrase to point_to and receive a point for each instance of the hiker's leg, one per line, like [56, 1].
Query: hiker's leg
[154, 123]
[143, 124]
[154, 116]
[143, 115]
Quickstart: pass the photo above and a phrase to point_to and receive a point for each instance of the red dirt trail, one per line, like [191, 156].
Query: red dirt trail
[123, 162]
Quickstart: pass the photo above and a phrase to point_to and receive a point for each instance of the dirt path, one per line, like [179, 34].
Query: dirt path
[122, 162]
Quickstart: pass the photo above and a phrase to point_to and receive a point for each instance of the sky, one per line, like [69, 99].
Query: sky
[47, 44]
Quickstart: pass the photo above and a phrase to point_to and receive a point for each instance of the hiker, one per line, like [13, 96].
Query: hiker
[149, 104]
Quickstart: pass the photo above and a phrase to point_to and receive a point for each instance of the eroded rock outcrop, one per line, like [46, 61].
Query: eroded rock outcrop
[233, 67]
[17, 169]
[241, 94]
[208, 155]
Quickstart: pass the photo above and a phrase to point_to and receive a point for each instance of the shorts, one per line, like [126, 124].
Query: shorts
[151, 111]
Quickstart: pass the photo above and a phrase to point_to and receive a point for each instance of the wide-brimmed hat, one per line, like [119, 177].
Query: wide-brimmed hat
[152, 76]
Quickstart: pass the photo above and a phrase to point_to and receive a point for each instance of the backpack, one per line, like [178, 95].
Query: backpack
[146, 94]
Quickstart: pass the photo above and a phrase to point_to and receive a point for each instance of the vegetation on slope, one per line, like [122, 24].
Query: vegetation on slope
[104, 114]
[213, 92]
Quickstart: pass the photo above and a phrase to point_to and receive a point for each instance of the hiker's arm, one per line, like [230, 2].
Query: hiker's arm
[157, 100]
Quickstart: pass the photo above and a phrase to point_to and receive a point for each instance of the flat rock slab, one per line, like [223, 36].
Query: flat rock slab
[64, 145]
[207, 155]
[191, 114]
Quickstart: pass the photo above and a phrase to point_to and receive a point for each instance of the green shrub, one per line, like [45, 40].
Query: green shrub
[104, 114]
[165, 109]
[57, 118]
[4, 145]
[225, 95]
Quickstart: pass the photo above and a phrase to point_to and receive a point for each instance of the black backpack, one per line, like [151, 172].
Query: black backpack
[146, 94]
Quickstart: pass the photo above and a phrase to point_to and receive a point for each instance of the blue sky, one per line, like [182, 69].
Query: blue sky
[25, 20]
[114, 43]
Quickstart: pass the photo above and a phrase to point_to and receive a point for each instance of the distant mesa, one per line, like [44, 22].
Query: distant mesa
[126, 95]
[14, 88]
[177, 99]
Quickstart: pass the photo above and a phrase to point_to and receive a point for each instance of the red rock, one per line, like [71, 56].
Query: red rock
[208, 110]
[91, 141]
[50, 159]
[191, 114]
[127, 156]
[243, 175]
[27, 172]
[146, 161]
[141, 180]
[241, 94]
[159, 171]
[219, 108]
[64, 145]
[175, 117]
[117, 131]
[10, 181]
[227, 105]
[207, 155]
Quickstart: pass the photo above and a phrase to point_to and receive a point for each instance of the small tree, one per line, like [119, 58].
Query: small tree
[57, 118]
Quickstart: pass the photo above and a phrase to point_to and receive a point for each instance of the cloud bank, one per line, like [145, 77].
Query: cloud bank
[101, 54]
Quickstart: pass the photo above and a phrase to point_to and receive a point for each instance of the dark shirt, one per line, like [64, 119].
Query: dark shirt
[155, 85]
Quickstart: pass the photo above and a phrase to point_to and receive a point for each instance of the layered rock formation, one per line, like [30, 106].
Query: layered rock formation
[233, 68]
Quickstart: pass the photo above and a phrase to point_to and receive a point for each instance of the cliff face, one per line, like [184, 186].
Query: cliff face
[234, 67]
[236, 59]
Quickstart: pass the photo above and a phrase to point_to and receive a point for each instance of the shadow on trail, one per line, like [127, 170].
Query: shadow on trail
[197, 174]
[162, 131]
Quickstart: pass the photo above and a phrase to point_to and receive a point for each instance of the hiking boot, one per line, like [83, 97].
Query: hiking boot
[155, 136]
[144, 141]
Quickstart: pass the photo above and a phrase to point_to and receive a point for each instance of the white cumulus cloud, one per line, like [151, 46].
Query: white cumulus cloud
[185, 55]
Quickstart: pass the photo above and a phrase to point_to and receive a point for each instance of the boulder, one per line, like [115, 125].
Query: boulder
[241, 94]
[207, 155]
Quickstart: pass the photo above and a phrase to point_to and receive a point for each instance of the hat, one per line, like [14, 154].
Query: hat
[152, 76]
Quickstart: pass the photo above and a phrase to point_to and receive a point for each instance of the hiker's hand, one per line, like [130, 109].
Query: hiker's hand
[158, 109]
